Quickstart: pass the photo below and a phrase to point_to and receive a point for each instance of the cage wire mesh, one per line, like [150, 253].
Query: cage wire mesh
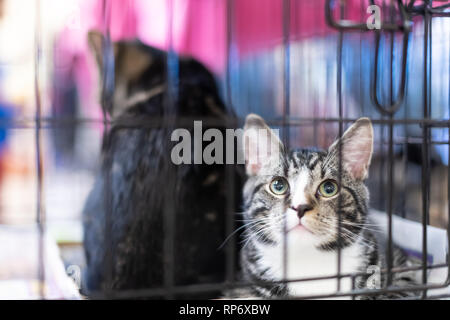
[309, 84]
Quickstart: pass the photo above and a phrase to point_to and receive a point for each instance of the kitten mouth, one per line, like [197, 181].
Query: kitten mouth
[299, 227]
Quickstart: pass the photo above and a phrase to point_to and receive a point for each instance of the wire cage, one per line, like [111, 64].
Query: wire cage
[310, 68]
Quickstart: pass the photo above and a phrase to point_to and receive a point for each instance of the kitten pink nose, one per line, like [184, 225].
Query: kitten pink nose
[302, 209]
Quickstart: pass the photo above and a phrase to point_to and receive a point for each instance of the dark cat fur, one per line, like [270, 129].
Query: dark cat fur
[142, 175]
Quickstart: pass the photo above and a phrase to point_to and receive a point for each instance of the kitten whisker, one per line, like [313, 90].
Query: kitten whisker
[361, 225]
[235, 231]
[349, 235]
[255, 234]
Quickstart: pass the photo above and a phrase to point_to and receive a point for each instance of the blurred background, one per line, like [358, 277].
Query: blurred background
[45, 61]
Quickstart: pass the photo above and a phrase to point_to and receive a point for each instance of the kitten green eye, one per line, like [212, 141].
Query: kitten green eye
[328, 188]
[279, 186]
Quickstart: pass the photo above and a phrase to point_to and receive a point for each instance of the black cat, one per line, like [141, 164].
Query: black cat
[139, 183]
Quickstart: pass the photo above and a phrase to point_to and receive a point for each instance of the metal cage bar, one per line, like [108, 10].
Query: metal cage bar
[40, 209]
[286, 12]
[230, 168]
[340, 133]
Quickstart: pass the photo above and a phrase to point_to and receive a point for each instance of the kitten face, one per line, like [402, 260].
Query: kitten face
[300, 195]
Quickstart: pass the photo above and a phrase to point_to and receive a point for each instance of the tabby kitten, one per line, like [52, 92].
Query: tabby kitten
[293, 198]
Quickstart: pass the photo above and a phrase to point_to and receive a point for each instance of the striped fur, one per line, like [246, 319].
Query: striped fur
[276, 249]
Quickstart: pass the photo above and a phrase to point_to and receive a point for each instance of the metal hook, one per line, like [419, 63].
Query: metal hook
[349, 25]
[391, 109]
[427, 6]
[405, 27]
[438, 11]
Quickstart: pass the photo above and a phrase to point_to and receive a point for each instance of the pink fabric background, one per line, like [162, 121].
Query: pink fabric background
[199, 30]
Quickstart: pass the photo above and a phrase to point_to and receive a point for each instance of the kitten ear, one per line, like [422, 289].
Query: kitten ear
[97, 42]
[261, 145]
[130, 59]
[127, 60]
[357, 147]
